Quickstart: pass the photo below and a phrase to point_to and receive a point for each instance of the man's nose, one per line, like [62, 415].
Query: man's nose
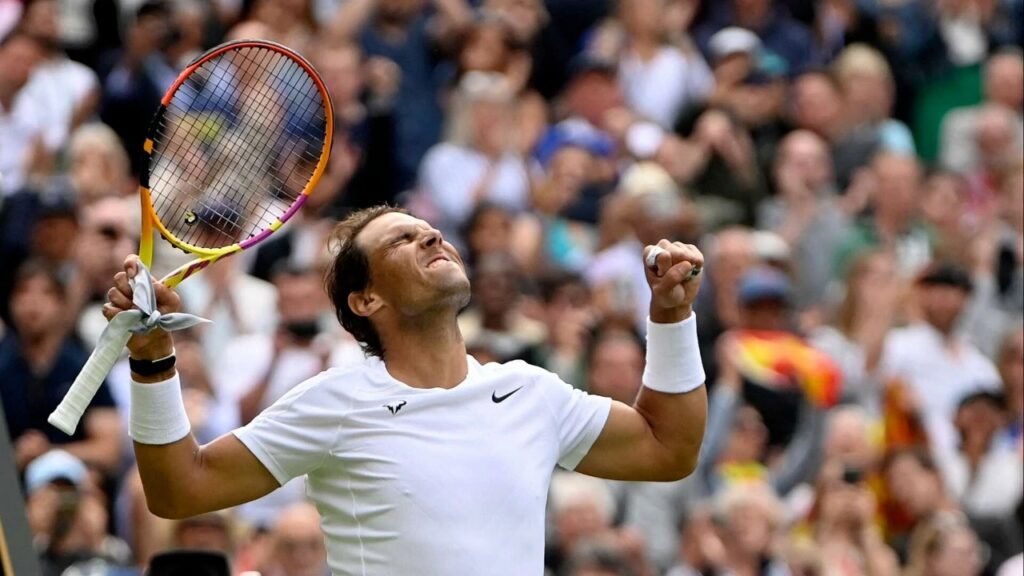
[431, 237]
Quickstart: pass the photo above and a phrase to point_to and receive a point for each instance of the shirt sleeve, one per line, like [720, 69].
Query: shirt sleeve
[579, 418]
[293, 436]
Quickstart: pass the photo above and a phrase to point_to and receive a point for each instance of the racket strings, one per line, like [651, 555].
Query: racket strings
[236, 147]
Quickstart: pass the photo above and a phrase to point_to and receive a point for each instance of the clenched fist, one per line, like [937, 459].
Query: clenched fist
[157, 343]
[670, 268]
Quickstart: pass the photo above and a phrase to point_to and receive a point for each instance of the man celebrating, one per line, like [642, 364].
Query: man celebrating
[421, 460]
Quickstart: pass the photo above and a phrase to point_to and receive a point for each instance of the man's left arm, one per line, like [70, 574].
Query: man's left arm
[659, 437]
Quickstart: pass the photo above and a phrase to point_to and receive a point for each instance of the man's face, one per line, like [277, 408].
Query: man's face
[807, 157]
[899, 185]
[300, 298]
[942, 305]
[35, 307]
[299, 548]
[817, 104]
[342, 74]
[616, 370]
[40, 20]
[1004, 81]
[17, 60]
[766, 314]
[412, 268]
[592, 94]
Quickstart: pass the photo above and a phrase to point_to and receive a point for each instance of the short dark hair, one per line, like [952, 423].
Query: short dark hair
[350, 272]
[36, 268]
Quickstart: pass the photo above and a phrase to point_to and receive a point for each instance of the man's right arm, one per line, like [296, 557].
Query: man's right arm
[184, 479]
[180, 477]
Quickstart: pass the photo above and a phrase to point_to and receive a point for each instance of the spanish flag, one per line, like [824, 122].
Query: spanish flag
[779, 360]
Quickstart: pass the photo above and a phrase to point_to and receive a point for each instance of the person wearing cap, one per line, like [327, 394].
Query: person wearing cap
[572, 163]
[771, 21]
[68, 516]
[931, 360]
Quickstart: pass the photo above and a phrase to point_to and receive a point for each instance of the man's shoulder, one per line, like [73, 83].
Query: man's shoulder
[330, 387]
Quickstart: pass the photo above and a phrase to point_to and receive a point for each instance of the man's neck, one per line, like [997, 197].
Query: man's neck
[425, 354]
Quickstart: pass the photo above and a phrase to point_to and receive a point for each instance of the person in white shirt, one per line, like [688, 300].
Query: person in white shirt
[934, 364]
[23, 120]
[420, 460]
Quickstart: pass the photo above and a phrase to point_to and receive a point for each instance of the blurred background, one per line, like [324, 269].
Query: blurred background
[851, 169]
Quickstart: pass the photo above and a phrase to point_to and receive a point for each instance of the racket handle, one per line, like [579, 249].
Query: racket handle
[67, 415]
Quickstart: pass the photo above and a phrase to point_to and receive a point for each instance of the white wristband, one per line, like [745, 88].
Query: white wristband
[158, 412]
[673, 357]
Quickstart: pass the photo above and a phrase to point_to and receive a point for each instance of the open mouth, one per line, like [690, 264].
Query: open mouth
[438, 260]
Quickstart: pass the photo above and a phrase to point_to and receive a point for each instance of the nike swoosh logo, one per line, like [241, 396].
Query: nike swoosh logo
[499, 399]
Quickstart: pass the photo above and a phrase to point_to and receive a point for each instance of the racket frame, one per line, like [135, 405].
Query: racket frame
[207, 256]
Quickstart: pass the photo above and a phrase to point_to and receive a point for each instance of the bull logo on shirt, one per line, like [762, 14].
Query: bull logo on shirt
[394, 408]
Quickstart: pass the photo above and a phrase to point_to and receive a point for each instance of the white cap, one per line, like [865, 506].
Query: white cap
[734, 40]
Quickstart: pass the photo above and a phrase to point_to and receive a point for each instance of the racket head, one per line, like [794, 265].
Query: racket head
[237, 146]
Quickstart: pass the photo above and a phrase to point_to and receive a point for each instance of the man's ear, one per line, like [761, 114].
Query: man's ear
[364, 303]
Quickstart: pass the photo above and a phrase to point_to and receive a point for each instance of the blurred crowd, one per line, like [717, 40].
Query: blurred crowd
[851, 169]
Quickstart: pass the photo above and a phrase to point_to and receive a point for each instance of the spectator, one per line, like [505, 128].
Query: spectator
[930, 361]
[869, 91]
[1011, 370]
[805, 212]
[490, 46]
[569, 314]
[771, 21]
[478, 160]
[895, 224]
[818, 105]
[985, 476]
[649, 206]
[615, 364]
[108, 233]
[98, 163]
[844, 526]
[859, 324]
[572, 156]
[363, 94]
[659, 80]
[67, 516]
[495, 317]
[68, 89]
[24, 121]
[581, 509]
[135, 78]
[701, 549]
[39, 361]
[1004, 87]
[750, 519]
[297, 545]
[401, 31]
[947, 548]
[913, 486]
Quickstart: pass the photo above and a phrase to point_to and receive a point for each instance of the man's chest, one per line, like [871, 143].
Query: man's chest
[446, 458]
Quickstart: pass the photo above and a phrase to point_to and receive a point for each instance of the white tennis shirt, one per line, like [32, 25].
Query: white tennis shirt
[435, 481]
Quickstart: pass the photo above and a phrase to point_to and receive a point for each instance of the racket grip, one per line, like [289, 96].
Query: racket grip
[67, 415]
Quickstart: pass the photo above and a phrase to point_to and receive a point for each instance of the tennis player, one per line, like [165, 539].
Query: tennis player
[422, 461]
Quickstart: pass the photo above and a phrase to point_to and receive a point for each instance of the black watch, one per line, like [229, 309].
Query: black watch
[151, 367]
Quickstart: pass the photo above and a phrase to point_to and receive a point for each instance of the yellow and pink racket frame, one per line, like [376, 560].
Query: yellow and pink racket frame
[208, 256]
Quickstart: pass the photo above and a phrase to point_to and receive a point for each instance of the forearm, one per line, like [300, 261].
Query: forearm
[673, 399]
[167, 472]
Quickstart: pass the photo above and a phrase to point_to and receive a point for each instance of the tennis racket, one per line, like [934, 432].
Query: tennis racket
[238, 144]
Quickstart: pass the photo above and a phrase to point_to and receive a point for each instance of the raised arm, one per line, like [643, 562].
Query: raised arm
[659, 437]
[180, 477]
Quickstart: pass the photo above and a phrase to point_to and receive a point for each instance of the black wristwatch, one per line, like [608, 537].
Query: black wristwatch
[151, 367]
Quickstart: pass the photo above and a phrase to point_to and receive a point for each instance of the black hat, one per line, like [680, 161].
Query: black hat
[584, 63]
[946, 274]
[189, 563]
